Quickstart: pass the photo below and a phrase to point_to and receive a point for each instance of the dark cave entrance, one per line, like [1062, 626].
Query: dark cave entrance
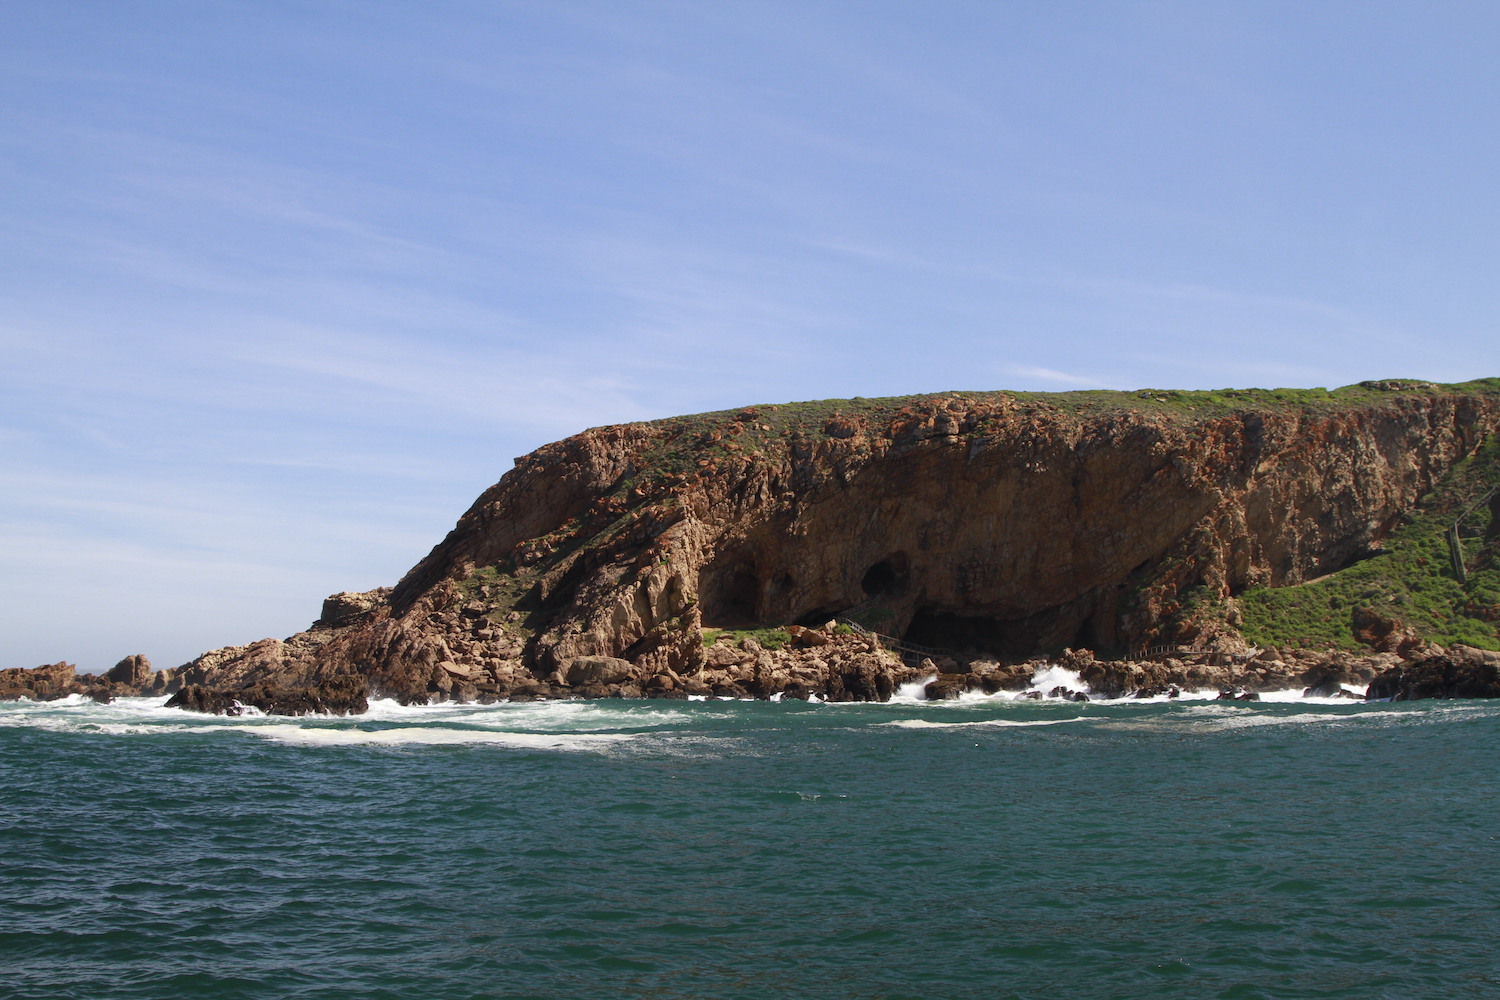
[887, 577]
[731, 596]
[817, 617]
[949, 630]
[1045, 633]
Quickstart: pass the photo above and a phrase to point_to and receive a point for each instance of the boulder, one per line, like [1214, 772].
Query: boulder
[1461, 672]
[348, 607]
[1383, 633]
[1326, 687]
[133, 671]
[947, 686]
[597, 670]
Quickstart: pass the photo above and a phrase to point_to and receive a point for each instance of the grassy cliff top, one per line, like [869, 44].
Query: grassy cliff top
[684, 440]
[810, 416]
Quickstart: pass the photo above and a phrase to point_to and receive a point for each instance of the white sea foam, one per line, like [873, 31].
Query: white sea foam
[428, 724]
[79, 712]
[1042, 682]
[1250, 720]
[1002, 723]
[912, 691]
[1052, 676]
[570, 716]
[429, 736]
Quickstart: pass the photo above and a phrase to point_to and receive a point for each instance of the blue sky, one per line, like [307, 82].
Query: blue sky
[286, 285]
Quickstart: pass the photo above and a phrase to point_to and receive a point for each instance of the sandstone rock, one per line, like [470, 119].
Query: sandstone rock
[1462, 672]
[796, 691]
[809, 636]
[45, 683]
[459, 671]
[598, 670]
[1116, 679]
[132, 672]
[724, 654]
[1382, 633]
[947, 686]
[346, 608]
[994, 676]
[161, 682]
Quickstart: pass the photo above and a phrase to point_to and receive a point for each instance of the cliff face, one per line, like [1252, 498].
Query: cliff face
[1013, 524]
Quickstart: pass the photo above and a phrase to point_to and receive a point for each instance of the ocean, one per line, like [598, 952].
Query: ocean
[988, 848]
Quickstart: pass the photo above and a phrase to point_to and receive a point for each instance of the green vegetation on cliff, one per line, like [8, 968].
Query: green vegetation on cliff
[1412, 581]
[690, 442]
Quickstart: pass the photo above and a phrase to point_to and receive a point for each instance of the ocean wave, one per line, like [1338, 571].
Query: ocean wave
[712, 728]
[570, 716]
[428, 724]
[1053, 678]
[1005, 723]
[328, 736]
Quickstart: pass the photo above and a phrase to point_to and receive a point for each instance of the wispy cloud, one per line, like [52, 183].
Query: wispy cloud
[1055, 377]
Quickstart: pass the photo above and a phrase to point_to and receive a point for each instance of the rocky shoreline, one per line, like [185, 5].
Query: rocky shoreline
[830, 663]
[668, 559]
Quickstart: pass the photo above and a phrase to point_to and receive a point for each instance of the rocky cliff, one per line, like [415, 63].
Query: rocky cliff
[1011, 524]
[1002, 526]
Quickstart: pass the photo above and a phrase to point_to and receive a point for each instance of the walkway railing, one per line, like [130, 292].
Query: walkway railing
[895, 645]
[1455, 542]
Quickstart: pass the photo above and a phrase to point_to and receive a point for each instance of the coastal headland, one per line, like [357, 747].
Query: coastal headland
[1152, 541]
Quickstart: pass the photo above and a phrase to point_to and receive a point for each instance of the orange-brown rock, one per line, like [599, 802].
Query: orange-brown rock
[130, 677]
[1462, 672]
[1005, 525]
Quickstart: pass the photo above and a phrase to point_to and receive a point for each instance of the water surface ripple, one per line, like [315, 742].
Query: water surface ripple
[988, 848]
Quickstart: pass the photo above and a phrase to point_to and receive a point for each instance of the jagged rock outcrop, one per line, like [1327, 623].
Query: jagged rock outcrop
[1005, 525]
[132, 672]
[1460, 672]
[131, 677]
[344, 696]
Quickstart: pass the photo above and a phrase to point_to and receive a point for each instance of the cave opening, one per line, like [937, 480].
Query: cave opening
[887, 577]
[1009, 639]
[818, 617]
[732, 596]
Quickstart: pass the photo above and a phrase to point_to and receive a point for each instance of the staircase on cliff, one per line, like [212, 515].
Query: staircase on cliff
[1455, 536]
[908, 651]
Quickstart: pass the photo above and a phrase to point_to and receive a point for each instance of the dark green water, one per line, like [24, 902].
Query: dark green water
[717, 850]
